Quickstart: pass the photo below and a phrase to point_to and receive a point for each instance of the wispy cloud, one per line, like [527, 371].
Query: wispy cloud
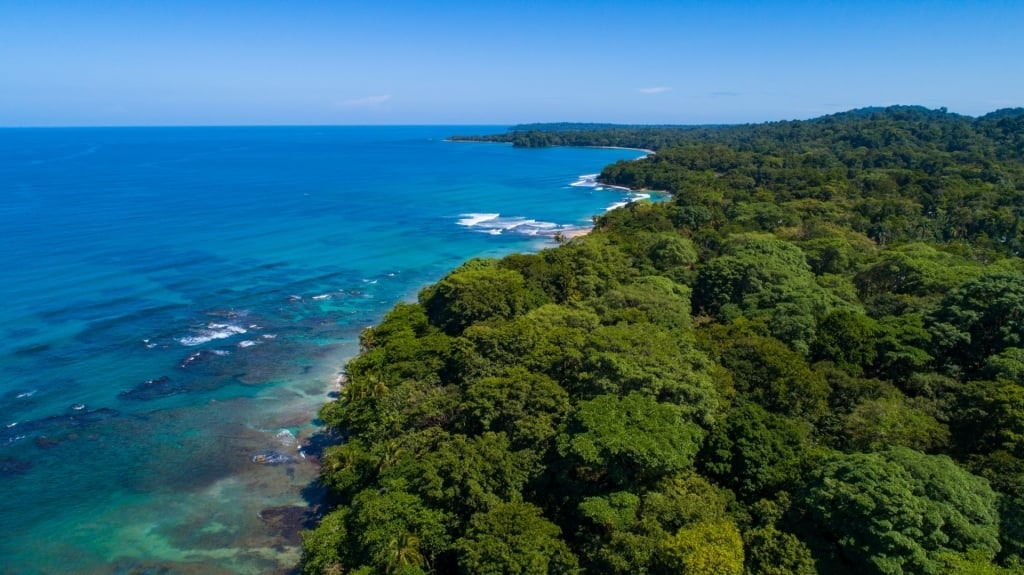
[654, 90]
[365, 102]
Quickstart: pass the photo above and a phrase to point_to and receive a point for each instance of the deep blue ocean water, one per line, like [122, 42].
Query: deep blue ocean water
[179, 301]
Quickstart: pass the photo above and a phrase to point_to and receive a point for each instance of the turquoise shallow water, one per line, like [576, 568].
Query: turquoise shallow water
[178, 301]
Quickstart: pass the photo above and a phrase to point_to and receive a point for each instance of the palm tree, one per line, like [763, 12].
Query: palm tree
[404, 552]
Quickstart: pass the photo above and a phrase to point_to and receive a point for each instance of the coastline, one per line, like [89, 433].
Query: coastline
[644, 150]
[577, 233]
[643, 192]
[337, 383]
[340, 380]
[207, 375]
[647, 153]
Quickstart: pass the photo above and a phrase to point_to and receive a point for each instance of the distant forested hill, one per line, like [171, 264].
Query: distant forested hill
[810, 360]
[567, 134]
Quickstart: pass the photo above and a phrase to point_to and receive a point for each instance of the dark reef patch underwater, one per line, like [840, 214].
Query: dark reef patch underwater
[178, 302]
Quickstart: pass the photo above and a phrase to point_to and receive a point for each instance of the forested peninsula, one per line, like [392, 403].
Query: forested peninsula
[809, 360]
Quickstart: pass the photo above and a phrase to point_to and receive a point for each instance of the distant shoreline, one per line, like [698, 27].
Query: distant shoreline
[582, 231]
[644, 150]
[628, 189]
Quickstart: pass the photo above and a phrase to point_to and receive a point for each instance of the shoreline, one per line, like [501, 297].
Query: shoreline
[644, 150]
[204, 444]
[647, 153]
[339, 380]
[335, 387]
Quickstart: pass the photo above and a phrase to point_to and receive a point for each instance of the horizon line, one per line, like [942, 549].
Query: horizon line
[943, 109]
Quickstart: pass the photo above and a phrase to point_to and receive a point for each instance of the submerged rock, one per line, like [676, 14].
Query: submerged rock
[46, 442]
[59, 423]
[134, 566]
[153, 389]
[201, 356]
[272, 458]
[288, 521]
[13, 466]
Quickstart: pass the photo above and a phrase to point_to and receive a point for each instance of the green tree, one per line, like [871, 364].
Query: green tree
[478, 291]
[756, 453]
[1007, 364]
[774, 376]
[528, 407]
[470, 474]
[321, 547]
[705, 548]
[830, 255]
[912, 269]
[846, 338]
[624, 357]
[551, 339]
[892, 420]
[514, 539]
[1011, 532]
[394, 531]
[899, 511]
[901, 343]
[672, 254]
[990, 418]
[627, 532]
[769, 551]
[584, 268]
[629, 440]
[981, 318]
[762, 276]
[649, 299]
[973, 563]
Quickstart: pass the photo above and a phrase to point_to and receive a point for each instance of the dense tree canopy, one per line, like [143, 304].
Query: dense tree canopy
[808, 360]
[900, 511]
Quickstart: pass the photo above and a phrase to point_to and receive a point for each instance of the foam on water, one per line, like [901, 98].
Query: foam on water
[496, 225]
[286, 438]
[586, 181]
[471, 220]
[211, 332]
[493, 223]
[630, 198]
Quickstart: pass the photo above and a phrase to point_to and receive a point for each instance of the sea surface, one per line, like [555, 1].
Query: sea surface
[176, 303]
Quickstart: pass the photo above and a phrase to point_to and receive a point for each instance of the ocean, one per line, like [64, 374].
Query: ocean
[178, 302]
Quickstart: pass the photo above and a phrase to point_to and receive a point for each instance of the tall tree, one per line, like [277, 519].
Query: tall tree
[514, 539]
[897, 512]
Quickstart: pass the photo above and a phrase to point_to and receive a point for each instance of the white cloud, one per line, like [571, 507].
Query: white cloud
[654, 90]
[366, 102]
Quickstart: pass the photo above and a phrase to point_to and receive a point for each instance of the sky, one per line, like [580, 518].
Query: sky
[297, 62]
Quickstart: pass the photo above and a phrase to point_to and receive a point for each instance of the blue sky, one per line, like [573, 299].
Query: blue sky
[478, 62]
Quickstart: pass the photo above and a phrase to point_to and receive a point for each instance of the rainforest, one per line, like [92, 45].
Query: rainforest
[809, 360]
